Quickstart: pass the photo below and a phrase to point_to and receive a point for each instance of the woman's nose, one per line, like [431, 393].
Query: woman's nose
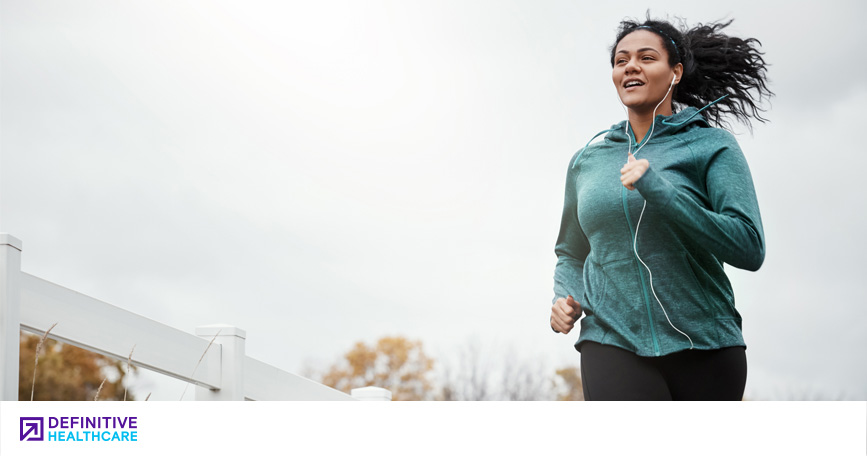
[631, 67]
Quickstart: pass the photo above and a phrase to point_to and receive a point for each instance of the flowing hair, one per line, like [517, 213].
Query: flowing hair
[714, 65]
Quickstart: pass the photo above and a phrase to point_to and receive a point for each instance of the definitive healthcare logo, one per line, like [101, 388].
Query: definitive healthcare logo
[79, 429]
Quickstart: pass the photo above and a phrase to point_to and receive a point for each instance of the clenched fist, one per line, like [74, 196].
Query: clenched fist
[632, 171]
[564, 313]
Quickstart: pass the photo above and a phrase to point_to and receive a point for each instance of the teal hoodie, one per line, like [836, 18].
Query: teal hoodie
[701, 212]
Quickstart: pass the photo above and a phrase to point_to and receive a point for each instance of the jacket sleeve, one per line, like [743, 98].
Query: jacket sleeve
[732, 229]
[572, 246]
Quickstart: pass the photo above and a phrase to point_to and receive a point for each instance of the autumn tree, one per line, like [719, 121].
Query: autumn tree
[525, 380]
[470, 373]
[474, 373]
[67, 373]
[394, 363]
[466, 376]
[568, 384]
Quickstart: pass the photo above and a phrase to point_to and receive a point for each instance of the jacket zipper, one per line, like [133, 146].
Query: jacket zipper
[623, 195]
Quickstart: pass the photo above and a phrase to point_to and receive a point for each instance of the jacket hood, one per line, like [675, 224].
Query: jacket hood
[663, 125]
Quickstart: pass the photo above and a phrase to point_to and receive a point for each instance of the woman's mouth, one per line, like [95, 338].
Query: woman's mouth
[632, 84]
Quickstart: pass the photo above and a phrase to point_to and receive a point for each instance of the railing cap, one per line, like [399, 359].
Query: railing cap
[224, 330]
[10, 240]
[371, 393]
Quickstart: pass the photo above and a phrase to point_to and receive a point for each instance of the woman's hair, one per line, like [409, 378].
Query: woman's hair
[714, 64]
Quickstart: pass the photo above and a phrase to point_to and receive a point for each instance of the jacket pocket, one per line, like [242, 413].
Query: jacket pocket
[595, 284]
[622, 311]
[717, 297]
[684, 298]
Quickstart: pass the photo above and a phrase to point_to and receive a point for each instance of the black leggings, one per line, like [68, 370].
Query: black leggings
[610, 373]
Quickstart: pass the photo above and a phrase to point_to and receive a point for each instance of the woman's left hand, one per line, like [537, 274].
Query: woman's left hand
[632, 171]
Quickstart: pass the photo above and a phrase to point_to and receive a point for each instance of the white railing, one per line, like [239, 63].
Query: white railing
[224, 373]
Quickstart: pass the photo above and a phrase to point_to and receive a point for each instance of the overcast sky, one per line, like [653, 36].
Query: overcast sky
[321, 173]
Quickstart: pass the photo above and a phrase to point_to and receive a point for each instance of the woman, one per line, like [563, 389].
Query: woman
[653, 211]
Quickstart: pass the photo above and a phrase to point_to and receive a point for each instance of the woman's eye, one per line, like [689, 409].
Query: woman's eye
[647, 57]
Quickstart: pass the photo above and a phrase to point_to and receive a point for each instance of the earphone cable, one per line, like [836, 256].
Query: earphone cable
[637, 225]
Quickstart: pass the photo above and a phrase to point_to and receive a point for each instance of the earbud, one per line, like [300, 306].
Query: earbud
[673, 80]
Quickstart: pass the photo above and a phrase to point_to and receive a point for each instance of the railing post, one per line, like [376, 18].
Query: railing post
[371, 393]
[10, 315]
[231, 342]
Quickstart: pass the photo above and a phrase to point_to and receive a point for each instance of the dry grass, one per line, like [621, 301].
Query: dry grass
[96, 397]
[200, 362]
[36, 362]
[128, 362]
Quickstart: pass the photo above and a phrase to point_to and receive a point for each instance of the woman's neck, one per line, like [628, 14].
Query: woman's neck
[642, 121]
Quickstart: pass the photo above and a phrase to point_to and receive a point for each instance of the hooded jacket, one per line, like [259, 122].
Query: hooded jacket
[701, 212]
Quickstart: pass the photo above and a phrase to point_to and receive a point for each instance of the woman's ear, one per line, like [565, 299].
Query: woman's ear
[678, 73]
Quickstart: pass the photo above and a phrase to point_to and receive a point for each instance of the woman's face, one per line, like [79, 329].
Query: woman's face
[641, 72]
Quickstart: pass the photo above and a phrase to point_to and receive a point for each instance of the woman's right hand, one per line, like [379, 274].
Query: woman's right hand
[564, 313]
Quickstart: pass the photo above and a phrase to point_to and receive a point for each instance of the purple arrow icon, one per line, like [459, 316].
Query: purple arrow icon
[31, 428]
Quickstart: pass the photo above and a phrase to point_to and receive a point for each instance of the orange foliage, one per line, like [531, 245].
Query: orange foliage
[67, 373]
[394, 363]
[571, 388]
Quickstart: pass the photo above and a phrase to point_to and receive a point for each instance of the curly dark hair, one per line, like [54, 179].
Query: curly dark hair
[714, 65]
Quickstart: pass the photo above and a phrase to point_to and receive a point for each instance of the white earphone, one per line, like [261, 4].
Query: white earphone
[644, 206]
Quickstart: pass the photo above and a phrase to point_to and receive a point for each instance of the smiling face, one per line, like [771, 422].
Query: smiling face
[641, 72]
